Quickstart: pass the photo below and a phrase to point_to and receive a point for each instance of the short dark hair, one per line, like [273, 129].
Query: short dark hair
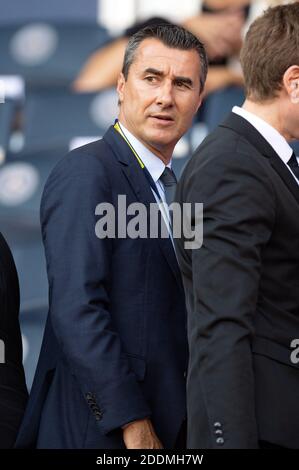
[271, 46]
[172, 36]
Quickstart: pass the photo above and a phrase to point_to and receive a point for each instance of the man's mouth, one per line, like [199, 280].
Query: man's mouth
[162, 118]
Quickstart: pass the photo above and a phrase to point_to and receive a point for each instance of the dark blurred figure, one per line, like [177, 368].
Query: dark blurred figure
[13, 392]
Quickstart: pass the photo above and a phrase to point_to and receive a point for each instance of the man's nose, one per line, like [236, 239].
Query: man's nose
[165, 94]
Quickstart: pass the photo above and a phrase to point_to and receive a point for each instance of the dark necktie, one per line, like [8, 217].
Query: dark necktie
[293, 164]
[169, 181]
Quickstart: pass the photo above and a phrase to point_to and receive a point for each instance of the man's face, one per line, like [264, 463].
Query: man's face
[160, 96]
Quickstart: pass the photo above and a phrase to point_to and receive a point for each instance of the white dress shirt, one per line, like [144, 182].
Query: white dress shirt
[155, 167]
[271, 135]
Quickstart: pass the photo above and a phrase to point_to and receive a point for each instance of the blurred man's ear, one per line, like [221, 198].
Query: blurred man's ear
[120, 87]
[200, 98]
[291, 83]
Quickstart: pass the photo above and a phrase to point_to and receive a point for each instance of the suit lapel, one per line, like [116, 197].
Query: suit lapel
[243, 127]
[140, 186]
[286, 176]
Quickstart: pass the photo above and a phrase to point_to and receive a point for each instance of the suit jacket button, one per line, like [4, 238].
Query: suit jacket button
[219, 432]
[220, 441]
[98, 415]
[217, 425]
[94, 408]
[185, 374]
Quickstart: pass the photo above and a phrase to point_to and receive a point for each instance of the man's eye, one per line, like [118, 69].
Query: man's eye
[181, 85]
[150, 79]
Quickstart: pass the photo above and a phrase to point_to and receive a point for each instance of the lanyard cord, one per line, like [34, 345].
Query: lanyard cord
[146, 172]
[120, 131]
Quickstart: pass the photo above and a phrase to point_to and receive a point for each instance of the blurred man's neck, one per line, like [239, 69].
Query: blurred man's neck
[270, 112]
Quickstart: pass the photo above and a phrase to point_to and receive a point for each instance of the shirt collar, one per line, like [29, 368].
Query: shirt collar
[153, 164]
[272, 136]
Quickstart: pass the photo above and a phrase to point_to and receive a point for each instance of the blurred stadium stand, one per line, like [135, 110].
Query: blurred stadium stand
[68, 116]
[45, 48]
[22, 180]
[219, 104]
[67, 11]
[6, 117]
[45, 44]
[48, 54]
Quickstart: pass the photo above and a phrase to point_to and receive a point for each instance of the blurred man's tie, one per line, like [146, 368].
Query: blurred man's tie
[293, 164]
[169, 181]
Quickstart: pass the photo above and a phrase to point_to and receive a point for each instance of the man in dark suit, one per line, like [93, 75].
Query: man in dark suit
[242, 285]
[112, 367]
[13, 392]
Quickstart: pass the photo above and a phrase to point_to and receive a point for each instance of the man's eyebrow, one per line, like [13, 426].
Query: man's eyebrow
[154, 71]
[185, 80]
[159, 73]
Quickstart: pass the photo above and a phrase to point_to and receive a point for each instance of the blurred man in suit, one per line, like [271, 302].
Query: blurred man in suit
[13, 392]
[112, 367]
[242, 285]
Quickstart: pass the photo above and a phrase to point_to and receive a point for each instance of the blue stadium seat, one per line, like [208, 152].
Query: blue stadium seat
[220, 103]
[47, 53]
[31, 266]
[22, 181]
[56, 116]
[56, 10]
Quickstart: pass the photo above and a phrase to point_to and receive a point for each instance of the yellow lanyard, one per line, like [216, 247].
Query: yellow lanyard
[118, 129]
[147, 174]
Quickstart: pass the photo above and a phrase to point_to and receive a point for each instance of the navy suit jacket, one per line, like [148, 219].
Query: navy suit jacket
[115, 346]
[242, 293]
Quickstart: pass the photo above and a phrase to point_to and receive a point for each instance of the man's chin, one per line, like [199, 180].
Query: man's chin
[161, 137]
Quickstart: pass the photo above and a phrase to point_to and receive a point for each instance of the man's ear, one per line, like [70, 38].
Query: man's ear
[121, 87]
[291, 83]
[200, 98]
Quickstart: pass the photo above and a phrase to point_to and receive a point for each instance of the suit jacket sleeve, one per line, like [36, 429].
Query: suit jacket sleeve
[238, 217]
[79, 272]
